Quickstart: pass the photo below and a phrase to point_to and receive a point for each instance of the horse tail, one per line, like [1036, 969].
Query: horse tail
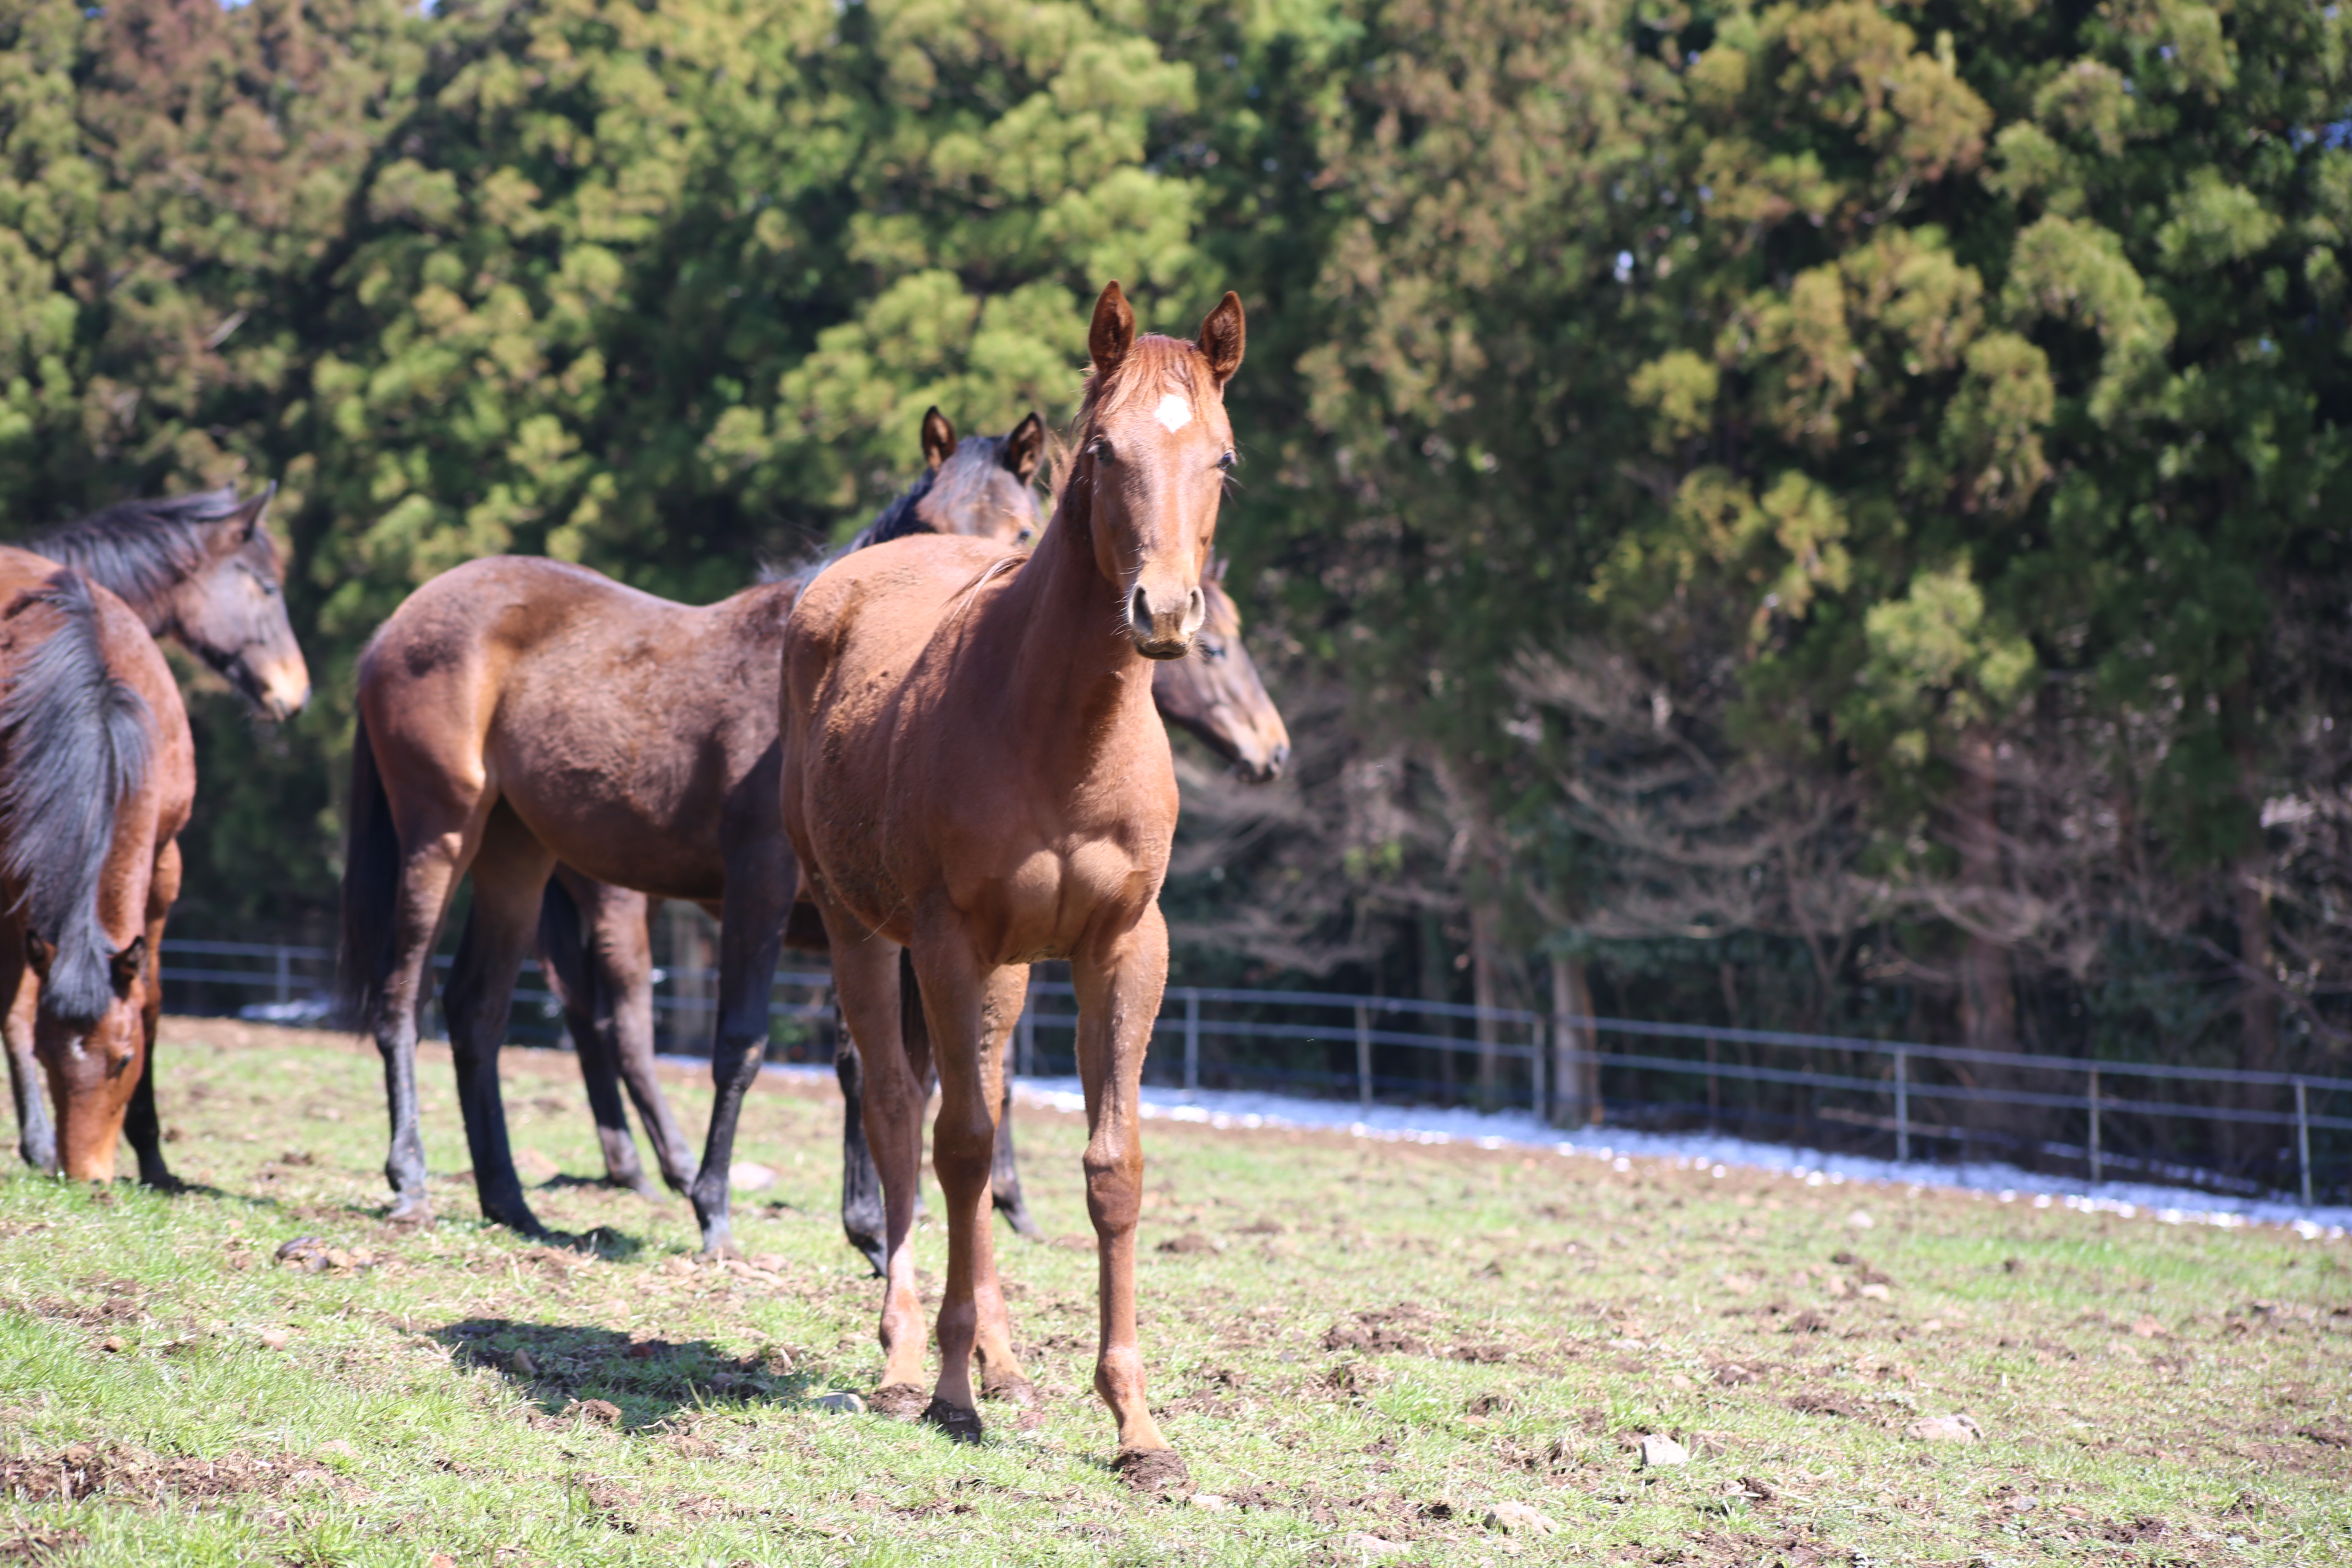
[563, 953]
[76, 740]
[371, 887]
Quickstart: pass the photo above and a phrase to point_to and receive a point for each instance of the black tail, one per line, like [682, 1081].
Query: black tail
[370, 889]
[76, 743]
[563, 950]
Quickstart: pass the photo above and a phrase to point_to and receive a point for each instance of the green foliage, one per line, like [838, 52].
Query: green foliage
[1880, 387]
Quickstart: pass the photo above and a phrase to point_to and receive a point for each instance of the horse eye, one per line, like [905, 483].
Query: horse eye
[1102, 451]
[1211, 649]
[1227, 462]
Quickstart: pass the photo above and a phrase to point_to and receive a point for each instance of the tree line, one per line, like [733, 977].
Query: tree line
[1807, 514]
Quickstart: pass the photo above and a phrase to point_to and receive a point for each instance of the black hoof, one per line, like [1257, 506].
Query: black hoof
[411, 1213]
[1016, 1215]
[960, 1425]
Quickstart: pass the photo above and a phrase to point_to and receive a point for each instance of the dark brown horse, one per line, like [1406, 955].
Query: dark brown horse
[517, 713]
[594, 952]
[203, 571]
[199, 570]
[973, 773]
[97, 776]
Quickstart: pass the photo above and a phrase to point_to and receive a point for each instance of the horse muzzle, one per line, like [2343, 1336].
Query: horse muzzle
[1161, 623]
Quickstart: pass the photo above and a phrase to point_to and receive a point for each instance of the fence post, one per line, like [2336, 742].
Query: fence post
[1536, 1070]
[2303, 1139]
[1902, 1106]
[1363, 1057]
[1191, 1039]
[2094, 1127]
[285, 975]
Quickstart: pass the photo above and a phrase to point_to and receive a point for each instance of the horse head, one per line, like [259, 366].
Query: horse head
[1217, 695]
[1153, 452]
[983, 486]
[230, 612]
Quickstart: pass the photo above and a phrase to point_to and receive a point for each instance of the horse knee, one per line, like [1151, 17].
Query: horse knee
[1114, 1192]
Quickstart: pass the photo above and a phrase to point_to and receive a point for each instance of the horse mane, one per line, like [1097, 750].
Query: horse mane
[75, 743]
[898, 519]
[139, 550]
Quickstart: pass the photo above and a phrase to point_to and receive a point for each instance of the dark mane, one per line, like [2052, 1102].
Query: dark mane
[75, 744]
[974, 455]
[139, 550]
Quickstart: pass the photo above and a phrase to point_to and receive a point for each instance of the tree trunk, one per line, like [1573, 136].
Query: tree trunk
[1576, 1077]
[1987, 988]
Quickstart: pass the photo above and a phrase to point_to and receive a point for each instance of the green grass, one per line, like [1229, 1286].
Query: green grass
[1366, 1339]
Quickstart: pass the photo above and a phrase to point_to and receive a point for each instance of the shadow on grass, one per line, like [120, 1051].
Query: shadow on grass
[650, 1382]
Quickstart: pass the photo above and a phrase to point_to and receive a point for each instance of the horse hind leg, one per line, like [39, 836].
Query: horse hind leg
[509, 872]
[622, 941]
[751, 938]
[862, 1218]
[1004, 1175]
[566, 964]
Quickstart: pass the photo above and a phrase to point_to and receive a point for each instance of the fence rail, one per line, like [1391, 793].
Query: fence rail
[1236, 1035]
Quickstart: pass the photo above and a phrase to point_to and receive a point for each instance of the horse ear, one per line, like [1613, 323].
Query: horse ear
[1113, 332]
[1025, 447]
[1222, 336]
[246, 521]
[939, 438]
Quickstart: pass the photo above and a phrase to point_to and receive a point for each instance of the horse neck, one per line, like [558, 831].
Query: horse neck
[1075, 668]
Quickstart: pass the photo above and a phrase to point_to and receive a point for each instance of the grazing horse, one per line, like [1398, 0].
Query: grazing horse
[595, 950]
[518, 713]
[202, 571]
[97, 776]
[973, 773]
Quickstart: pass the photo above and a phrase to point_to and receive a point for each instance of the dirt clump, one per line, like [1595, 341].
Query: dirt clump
[80, 1471]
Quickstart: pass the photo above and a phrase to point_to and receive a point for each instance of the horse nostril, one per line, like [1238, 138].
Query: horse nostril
[1139, 608]
[1196, 609]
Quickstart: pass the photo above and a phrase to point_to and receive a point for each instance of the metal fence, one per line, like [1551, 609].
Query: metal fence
[2154, 1121]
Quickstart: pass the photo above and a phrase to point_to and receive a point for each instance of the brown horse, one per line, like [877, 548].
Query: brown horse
[202, 571]
[594, 952]
[515, 714]
[96, 777]
[973, 772]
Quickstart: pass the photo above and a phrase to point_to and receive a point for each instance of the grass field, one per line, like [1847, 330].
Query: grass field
[1364, 1350]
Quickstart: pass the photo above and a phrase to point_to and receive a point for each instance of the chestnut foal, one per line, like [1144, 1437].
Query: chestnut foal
[974, 773]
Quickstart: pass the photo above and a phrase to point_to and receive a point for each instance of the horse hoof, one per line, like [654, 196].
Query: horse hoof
[960, 1425]
[721, 1253]
[899, 1401]
[1011, 1389]
[411, 1215]
[1158, 1472]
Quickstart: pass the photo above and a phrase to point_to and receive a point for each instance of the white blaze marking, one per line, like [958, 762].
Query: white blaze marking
[1175, 412]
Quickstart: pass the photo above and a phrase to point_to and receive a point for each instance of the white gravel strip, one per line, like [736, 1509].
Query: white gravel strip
[1249, 1110]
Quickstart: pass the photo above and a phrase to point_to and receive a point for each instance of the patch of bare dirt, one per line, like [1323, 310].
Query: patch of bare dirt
[81, 1470]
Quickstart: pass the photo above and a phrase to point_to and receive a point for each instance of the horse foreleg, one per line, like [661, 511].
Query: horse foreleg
[750, 936]
[36, 1131]
[861, 1183]
[866, 979]
[621, 943]
[510, 874]
[140, 1123]
[960, 999]
[1120, 984]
